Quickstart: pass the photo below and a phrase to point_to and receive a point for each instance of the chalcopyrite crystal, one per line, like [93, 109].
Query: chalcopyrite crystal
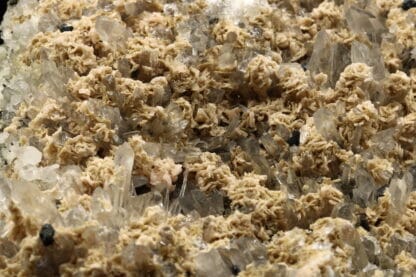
[208, 138]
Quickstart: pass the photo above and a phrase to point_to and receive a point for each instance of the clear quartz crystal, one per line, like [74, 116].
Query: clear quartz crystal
[110, 113]
[29, 155]
[272, 148]
[204, 204]
[10, 99]
[413, 53]
[326, 124]
[30, 199]
[27, 160]
[328, 57]
[199, 36]
[363, 22]
[383, 142]
[399, 243]
[372, 247]
[227, 58]
[52, 79]
[112, 31]
[210, 263]
[17, 36]
[124, 159]
[252, 248]
[343, 210]
[234, 10]
[399, 189]
[137, 205]
[77, 216]
[364, 187]
[370, 55]
[48, 22]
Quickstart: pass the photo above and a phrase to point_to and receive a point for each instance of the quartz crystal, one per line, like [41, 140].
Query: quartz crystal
[363, 22]
[361, 53]
[325, 122]
[111, 31]
[202, 203]
[364, 186]
[123, 160]
[328, 57]
[210, 263]
[399, 190]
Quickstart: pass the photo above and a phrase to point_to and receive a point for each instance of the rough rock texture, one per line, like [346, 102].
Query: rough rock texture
[208, 138]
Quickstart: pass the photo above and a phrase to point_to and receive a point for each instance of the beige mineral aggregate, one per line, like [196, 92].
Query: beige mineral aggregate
[208, 138]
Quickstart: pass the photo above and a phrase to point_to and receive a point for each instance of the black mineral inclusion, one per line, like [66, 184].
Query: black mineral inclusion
[65, 28]
[408, 4]
[235, 270]
[46, 234]
[294, 139]
[363, 222]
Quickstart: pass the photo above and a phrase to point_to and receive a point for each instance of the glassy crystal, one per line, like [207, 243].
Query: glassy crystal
[29, 155]
[32, 201]
[111, 31]
[211, 264]
[328, 57]
[326, 124]
[372, 248]
[343, 210]
[251, 248]
[370, 55]
[205, 204]
[124, 159]
[399, 243]
[363, 22]
[270, 145]
[400, 189]
[364, 187]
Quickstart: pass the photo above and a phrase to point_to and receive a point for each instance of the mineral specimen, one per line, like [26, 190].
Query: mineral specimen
[208, 138]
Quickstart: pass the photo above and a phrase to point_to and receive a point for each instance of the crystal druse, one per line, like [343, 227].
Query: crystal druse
[208, 138]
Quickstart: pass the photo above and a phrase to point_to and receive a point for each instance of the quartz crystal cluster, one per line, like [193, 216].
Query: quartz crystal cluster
[208, 138]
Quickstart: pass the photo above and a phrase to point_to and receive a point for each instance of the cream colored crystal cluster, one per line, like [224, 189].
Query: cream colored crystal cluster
[208, 138]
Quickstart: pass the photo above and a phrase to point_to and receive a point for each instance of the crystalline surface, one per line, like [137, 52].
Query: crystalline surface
[328, 57]
[211, 264]
[325, 122]
[400, 189]
[251, 248]
[29, 155]
[111, 31]
[363, 22]
[123, 160]
[361, 53]
[364, 186]
[204, 204]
